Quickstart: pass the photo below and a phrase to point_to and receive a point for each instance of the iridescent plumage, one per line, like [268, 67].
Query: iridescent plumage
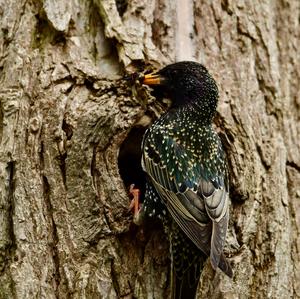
[187, 173]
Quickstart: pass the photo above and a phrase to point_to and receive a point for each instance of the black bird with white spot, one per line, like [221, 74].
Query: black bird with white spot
[187, 174]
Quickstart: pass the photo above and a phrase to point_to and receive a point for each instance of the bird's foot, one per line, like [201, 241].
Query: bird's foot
[135, 204]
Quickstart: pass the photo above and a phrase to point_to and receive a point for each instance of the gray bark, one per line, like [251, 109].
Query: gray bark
[65, 230]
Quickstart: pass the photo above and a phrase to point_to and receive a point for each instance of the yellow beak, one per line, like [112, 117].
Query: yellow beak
[152, 79]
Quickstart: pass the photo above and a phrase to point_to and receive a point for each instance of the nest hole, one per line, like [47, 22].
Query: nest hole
[131, 172]
[121, 6]
[129, 160]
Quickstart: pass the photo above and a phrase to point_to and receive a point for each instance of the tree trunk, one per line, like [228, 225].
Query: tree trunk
[69, 123]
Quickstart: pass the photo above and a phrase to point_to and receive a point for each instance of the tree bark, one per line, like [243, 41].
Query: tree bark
[65, 120]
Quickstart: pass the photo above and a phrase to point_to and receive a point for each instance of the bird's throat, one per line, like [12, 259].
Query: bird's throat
[201, 110]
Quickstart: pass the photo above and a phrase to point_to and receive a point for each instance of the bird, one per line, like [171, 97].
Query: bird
[187, 182]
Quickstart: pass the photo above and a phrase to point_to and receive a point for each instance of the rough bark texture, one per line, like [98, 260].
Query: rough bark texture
[65, 231]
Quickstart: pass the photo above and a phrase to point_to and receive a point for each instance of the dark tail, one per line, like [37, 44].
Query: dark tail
[187, 264]
[185, 287]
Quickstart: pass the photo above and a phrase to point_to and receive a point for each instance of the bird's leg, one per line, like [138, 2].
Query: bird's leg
[135, 203]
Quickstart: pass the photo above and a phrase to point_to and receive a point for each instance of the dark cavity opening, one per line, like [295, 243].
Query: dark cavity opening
[129, 160]
[121, 6]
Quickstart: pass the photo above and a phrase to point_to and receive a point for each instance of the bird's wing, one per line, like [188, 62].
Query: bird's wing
[196, 195]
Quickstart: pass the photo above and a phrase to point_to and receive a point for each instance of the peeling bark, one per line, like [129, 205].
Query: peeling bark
[65, 111]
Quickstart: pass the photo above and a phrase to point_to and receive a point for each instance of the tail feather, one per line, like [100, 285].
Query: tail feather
[187, 264]
[185, 287]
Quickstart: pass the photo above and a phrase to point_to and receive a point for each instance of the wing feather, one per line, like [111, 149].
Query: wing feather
[202, 213]
[219, 230]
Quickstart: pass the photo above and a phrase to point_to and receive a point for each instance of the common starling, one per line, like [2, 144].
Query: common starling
[187, 176]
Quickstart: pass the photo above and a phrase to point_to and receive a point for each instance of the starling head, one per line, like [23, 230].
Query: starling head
[186, 82]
